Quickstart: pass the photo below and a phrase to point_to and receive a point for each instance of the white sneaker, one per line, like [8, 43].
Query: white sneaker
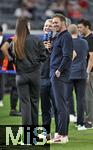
[59, 139]
[55, 135]
[80, 128]
[1, 104]
[73, 118]
[64, 140]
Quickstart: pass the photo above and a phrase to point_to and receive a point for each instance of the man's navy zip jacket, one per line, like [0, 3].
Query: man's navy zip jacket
[61, 56]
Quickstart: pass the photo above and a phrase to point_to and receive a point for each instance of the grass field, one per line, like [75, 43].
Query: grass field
[78, 140]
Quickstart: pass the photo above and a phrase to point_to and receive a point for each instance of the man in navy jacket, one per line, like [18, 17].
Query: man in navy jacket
[60, 63]
[78, 73]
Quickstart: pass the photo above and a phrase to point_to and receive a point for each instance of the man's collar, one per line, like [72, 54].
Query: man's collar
[59, 33]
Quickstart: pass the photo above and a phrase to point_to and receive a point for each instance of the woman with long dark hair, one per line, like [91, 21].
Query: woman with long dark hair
[29, 53]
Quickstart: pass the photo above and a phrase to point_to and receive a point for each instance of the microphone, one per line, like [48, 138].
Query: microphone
[45, 37]
[48, 38]
[50, 35]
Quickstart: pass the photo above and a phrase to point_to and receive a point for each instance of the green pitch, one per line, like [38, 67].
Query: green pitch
[78, 140]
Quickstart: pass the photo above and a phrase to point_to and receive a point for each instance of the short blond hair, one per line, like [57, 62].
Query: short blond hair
[48, 20]
[73, 29]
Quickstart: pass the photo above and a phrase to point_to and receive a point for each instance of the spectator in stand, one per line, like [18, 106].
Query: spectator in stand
[27, 9]
[73, 10]
[22, 11]
[83, 4]
[56, 7]
[30, 6]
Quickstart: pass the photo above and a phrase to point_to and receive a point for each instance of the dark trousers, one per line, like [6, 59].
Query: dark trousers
[13, 91]
[60, 90]
[89, 100]
[79, 87]
[47, 99]
[28, 86]
[13, 98]
[71, 104]
[1, 86]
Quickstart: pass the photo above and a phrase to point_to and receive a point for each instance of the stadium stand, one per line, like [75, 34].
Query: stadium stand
[8, 8]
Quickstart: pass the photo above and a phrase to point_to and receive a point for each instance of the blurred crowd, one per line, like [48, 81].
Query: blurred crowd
[38, 11]
[74, 9]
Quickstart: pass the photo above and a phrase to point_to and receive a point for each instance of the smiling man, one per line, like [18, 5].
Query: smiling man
[60, 62]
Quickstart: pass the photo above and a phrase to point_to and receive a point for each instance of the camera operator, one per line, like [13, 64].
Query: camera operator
[9, 65]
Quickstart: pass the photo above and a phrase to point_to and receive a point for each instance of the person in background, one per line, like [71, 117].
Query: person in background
[47, 97]
[9, 65]
[68, 22]
[2, 40]
[78, 73]
[84, 27]
[72, 112]
[60, 63]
